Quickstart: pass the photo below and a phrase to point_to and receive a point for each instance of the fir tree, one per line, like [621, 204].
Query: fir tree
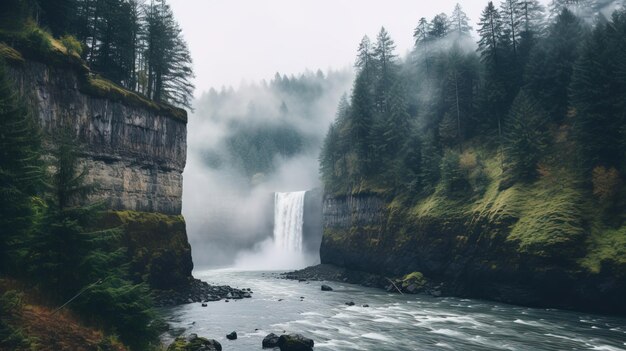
[550, 65]
[597, 93]
[21, 173]
[420, 34]
[459, 21]
[526, 137]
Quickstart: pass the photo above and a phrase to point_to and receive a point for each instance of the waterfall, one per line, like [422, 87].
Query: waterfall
[288, 221]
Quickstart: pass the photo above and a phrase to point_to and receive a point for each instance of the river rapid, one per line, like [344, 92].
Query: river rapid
[391, 322]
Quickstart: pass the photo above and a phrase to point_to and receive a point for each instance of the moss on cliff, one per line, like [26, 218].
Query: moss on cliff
[158, 249]
[33, 43]
[549, 218]
[607, 250]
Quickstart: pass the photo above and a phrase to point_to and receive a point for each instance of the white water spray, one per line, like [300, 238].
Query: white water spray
[285, 250]
[288, 221]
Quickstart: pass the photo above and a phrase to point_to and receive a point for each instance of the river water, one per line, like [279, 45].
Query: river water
[392, 322]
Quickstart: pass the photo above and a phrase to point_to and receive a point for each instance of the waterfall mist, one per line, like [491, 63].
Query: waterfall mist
[244, 146]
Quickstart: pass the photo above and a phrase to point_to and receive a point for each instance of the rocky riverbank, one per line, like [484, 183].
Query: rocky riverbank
[198, 291]
[413, 283]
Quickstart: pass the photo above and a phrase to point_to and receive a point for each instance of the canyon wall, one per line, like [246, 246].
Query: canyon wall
[135, 155]
[471, 256]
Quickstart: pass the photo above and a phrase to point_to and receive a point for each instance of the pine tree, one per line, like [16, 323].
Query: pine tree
[386, 67]
[420, 34]
[167, 59]
[550, 64]
[526, 137]
[490, 32]
[439, 27]
[361, 119]
[364, 57]
[459, 21]
[597, 93]
[21, 173]
[511, 14]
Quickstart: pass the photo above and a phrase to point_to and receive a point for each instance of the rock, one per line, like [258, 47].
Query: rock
[350, 303]
[225, 300]
[436, 293]
[411, 289]
[270, 341]
[366, 305]
[204, 305]
[232, 336]
[194, 343]
[295, 342]
[326, 288]
[247, 295]
[301, 280]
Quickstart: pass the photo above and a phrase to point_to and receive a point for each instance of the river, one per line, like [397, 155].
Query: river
[391, 322]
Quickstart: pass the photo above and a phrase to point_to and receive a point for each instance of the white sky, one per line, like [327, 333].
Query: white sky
[232, 41]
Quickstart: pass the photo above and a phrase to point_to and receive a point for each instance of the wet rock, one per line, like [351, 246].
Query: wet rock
[270, 341]
[350, 303]
[194, 343]
[247, 295]
[232, 336]
[326, 288]
[295, 342]
[204, 305]
[366, 305]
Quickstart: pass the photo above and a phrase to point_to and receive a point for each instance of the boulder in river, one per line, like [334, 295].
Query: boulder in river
[232, 336]
[194, 343]
[350, 303]
[295, 342]
[326, 288]
[270, 341]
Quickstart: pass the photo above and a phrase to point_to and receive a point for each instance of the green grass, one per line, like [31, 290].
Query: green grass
[551, 220]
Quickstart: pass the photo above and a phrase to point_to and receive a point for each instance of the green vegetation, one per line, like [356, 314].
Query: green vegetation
[49, 237]
[137, 47]
[525, 135]
[157, 247]
[414, 278]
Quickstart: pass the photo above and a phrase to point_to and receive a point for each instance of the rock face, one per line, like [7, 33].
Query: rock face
[134, 151]
[295, 342]
[471, 257]
[135, 155]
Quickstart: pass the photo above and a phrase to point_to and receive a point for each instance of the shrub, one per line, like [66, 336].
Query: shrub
[38, 39]
[72, 45]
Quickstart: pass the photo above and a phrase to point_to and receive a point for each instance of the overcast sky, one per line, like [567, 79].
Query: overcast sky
[248, 40]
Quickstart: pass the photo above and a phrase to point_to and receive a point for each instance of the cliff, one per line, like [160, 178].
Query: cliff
[516, 245]
[133, 149]
[136, 156]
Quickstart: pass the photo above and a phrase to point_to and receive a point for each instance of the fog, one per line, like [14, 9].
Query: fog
[228, 194]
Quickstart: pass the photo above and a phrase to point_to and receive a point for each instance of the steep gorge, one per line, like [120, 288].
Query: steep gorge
[134, 151]
[514, 245]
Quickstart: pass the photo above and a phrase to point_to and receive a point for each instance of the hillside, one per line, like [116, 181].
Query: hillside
[498, 171]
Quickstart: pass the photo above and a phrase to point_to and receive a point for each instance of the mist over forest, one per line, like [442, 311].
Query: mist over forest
[244, 145]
